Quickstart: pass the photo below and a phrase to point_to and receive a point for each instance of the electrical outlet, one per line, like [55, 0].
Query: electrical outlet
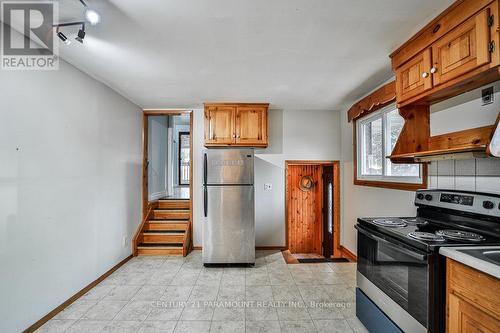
[125, 241]
[268, 187]
[487, 95]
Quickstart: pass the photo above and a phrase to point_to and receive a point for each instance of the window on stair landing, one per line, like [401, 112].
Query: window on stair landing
[377, 134]
[184, 155]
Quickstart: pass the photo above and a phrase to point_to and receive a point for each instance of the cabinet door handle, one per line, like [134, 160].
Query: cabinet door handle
[234, 135]
[434, 70]
[425, 75]
[238, 136]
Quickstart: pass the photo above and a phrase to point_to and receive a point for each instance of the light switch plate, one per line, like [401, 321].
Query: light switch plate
[268, 187]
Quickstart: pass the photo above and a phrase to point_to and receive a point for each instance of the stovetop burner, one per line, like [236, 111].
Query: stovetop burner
[394, 223]
[426, 236]
[460, 235]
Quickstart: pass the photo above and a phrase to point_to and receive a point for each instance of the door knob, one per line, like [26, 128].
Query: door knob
[425, 75]
[434, 70]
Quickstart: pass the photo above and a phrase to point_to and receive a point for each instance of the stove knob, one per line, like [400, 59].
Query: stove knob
[420, 196]
[428, 197]
[488, 204]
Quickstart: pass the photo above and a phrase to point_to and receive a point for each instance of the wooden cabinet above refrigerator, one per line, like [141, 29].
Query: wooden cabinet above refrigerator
[236, 124]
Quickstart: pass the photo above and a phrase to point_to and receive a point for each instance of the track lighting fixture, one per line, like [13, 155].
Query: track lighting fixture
[63, 38]
[81, 34]
[91, 16]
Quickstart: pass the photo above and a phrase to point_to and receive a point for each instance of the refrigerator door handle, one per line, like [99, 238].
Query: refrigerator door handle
[205, 200]
[205, 169]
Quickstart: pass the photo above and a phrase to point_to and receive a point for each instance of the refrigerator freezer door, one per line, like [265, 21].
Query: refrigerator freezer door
[229, 228]
[228, 166]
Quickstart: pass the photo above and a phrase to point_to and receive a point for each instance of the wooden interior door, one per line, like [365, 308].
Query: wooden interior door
[304, 210]
[462, 50]
[466, 318]
[251, 125]
[414, 77]
[219, 125]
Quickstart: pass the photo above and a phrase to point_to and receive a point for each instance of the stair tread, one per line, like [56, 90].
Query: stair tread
[173, 200]
[161, 245]
[168, 221]
[164, 232]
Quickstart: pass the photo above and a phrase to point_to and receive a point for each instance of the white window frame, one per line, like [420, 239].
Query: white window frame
[380, 114]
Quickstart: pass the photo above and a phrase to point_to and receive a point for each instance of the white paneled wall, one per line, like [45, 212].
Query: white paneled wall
[481, 175]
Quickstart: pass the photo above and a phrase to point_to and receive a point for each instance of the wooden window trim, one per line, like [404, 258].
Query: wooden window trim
[377, 100]
[383, 184]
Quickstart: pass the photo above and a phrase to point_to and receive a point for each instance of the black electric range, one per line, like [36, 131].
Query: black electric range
[425, 233]
[400, 272]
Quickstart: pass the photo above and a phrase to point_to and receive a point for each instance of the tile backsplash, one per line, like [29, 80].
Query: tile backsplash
[480, 175]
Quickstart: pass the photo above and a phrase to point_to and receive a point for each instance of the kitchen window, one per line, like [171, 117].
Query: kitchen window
[376, 135]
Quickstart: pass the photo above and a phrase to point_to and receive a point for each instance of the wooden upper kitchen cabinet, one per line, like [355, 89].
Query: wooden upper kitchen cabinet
[472, 300]
[456, 52]
[462, 50]
[251, 125]
[236, 124]
[219, 125]
[414, 77]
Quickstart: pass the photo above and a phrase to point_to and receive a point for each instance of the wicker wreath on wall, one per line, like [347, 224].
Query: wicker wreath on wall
[306, 183]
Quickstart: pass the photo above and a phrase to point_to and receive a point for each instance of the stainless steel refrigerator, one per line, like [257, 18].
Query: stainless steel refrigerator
[228, 200]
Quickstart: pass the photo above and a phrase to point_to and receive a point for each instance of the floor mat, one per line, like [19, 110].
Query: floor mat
[319, 260]
[307, 258]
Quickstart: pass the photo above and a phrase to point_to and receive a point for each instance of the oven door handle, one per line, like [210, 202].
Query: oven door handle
[413, 254]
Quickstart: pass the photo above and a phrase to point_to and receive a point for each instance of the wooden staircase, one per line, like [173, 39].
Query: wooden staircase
[165, 230]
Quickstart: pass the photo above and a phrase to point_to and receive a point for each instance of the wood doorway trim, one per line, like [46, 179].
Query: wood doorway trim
[337, 253]
[162, 112]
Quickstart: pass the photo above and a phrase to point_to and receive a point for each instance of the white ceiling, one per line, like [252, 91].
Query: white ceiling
[300, 54]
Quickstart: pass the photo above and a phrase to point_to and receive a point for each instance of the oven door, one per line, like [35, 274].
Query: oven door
[399, 271]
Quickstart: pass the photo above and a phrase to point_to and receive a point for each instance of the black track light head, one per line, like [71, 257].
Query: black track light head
[63, 38]
[81, 34]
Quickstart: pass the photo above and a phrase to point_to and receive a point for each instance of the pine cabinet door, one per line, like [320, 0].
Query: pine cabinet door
[462, 50]
[219, 125]
[466, 318]
[251, 126]
[414, 77]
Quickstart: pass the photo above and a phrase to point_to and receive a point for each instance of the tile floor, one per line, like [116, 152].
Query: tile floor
[175, 294]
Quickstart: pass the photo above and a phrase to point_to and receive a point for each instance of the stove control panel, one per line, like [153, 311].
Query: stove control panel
[478, 203]
[458, 199]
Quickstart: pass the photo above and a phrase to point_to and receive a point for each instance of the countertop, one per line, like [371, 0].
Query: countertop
[471, 260]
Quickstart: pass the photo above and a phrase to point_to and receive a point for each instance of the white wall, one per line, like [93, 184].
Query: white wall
[70, 184]
[455, 114]
[293, 135]
[157, 156]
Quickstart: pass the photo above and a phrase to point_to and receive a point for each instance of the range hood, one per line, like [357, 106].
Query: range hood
[472, 143]
[451, 156]
[494, 146]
